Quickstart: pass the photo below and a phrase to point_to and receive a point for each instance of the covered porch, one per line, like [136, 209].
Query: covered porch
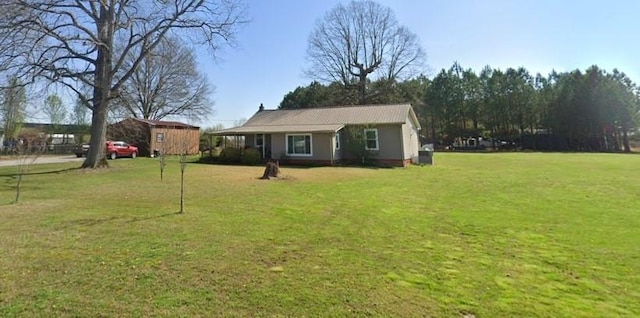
[290, 143]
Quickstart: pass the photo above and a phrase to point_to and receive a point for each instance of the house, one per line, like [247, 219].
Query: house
[383, 134]
[170, 137]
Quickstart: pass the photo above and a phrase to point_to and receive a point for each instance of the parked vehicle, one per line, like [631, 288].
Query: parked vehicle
[114, 149]
[117, 149]
[81, 150]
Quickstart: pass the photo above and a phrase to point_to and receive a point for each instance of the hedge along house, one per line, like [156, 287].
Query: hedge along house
[383, 134]
[170, 137]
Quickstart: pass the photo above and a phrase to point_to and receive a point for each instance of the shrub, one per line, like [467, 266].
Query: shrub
[251, 156]
[215, 152]
[355, 145]
[207, 159]
[230, 155]
[212, 152]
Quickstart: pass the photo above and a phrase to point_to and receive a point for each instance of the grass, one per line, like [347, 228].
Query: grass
[490, 235]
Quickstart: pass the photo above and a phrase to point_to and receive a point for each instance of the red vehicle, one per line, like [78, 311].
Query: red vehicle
[117, 149]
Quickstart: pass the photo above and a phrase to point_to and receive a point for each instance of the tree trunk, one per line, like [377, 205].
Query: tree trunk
[625, 140]
[271, 170]
[101, 91]
[362, 89]
[183, 166]
[96, 156]
[433, 130]
[18, 186]
[181, 191]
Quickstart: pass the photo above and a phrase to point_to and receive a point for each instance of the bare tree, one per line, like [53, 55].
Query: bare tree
[166, 83]
[182, 145]
[13, 102]
[183, 166]
[162, 159]
[30, 146]
[71, 42]
[353, 43]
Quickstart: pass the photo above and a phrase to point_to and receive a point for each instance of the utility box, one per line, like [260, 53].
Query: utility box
[425, 156]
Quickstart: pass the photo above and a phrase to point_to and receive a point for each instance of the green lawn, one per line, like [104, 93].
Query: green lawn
[490, 235]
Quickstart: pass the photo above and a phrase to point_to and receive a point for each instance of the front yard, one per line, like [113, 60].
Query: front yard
[519, 234]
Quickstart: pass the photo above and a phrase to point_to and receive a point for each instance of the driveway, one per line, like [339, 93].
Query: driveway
[43, 159]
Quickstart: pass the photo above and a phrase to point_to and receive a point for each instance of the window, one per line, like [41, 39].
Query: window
[299, 145]
[337, 138]
[259, 140]
[371, 139]
[159, 137]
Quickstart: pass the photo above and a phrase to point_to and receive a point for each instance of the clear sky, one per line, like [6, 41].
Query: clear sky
[540, 35]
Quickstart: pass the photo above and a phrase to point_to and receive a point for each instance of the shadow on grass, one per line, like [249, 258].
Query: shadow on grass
[14, 175]
[99, 221]
[154, 217]
[92, 222]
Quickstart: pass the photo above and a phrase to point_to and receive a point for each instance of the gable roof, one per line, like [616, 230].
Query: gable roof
[323, 119]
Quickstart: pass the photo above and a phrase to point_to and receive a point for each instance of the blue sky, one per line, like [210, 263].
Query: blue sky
[540, 35]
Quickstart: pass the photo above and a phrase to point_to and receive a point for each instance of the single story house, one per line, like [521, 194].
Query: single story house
[169, 137]
[382, 134]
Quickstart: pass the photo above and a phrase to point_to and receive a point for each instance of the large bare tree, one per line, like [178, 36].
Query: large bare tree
[165, 84]
[72, 42]
[360, 41]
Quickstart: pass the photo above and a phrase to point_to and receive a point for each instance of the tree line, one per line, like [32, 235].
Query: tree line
[591, 110]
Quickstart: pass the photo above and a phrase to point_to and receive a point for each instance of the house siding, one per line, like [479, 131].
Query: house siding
[322, 148]
[132, 132]
[410, 142]
[278, 147]
[390, 145]
[175, 140]
[144, 135]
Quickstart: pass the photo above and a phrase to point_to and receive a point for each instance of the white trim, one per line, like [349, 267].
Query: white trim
[336, 138]
[366, 144]
[286, 142]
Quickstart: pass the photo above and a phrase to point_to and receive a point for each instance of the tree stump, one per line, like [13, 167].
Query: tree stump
[271, 170]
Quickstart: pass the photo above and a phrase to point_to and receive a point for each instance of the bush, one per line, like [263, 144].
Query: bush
[355, 145]
[216, 151]
[230, 155]
[207, 159]
[251, 156]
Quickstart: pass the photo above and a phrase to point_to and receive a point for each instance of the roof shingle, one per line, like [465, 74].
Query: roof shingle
[322, 119]
[349, 115]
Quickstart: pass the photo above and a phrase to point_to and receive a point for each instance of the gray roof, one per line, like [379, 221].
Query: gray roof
[283, 128]
[159, 123]
[323, 119]
[164, 123]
